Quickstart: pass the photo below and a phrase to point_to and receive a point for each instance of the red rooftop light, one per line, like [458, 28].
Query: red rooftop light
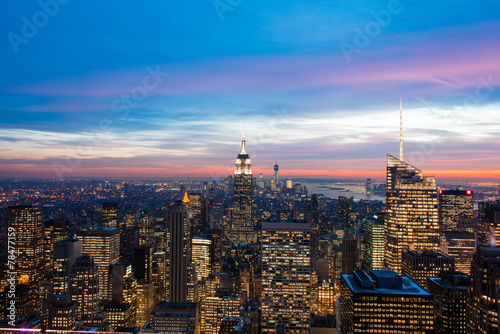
[469, 192]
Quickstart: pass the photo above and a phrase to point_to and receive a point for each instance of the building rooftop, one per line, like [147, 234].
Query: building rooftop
[382, 284]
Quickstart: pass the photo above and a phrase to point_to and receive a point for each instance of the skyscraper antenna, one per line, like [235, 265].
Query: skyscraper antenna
[401, 128]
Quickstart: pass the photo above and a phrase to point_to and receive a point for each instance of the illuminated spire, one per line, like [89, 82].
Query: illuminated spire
[401, 128]
[186, 198]
[243, 144]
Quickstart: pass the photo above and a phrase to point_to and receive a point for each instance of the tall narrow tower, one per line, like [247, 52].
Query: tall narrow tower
[242, 230]
[179, 250]
[276, 174]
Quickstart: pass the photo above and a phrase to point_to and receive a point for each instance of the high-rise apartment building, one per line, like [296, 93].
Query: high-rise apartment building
[411, 212]
[242, 229]
[109, 214]
[421, 265]
[103, 245]
[453, 206]
[286, 276]
[382, 301]
[179, 251]
[373, 242]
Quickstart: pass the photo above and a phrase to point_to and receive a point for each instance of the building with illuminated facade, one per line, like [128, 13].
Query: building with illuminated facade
[65, 254]
[350, 255]
[461, 246]
[489, 225]
[483, 305]
[344, 211]
[25, 221]
[173, 318]
[411, 212]
[286, 276]
[84, 287]
[217, 307]
[382, 301]
[201, 256]
[59, 312]
[53, 231]
[109, 214]
[145, 302]
[450, 292]
[453, 206]
[421, 265]
[373, 242]
[103, 245]
[119, 315]
[179, 252]
[242, 228]
[146, 227]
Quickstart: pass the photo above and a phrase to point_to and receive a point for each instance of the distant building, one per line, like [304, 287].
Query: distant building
[382, 301]
[201, 257]
[109, 213]
[421, 265]
[450, 292]
[344, 211]
[53, 231]
[286, 276]
[146, 227]
[143, 263]
[349, 254]
[411, 212]
[454, 205]
[368, 186]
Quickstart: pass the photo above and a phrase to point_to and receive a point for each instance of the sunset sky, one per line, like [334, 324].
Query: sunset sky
[164, 88]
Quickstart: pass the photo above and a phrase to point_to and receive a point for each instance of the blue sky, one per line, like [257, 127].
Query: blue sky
[134, 88]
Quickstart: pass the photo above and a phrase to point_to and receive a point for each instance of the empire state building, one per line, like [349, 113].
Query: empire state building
[242, 229]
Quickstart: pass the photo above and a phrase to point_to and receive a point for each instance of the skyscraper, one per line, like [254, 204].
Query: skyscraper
[286, 276]
[109, 213]
[344, 211]
[454, 205]
[461, 246]
[84, 287]
[179, 249]
[201, 257]
[276, 174]
[242, 229]
[411, 212]
[373, 242]
[146, 227]
[26, 222]
[65, 253]
[349, 253]
[489, 226]
[103, 245]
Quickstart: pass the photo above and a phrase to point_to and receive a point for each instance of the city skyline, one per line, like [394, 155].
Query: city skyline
[164, 90]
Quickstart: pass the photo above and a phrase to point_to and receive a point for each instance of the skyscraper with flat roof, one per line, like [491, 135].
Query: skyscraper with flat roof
[103, 245]
[411, 212]
[109, 214]
[286, 276]
[454, 205]
[373, 242]
[242, 229]
[382, 301]
[421, 265]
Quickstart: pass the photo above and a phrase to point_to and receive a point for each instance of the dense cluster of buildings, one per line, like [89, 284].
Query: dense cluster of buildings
[249, 255]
